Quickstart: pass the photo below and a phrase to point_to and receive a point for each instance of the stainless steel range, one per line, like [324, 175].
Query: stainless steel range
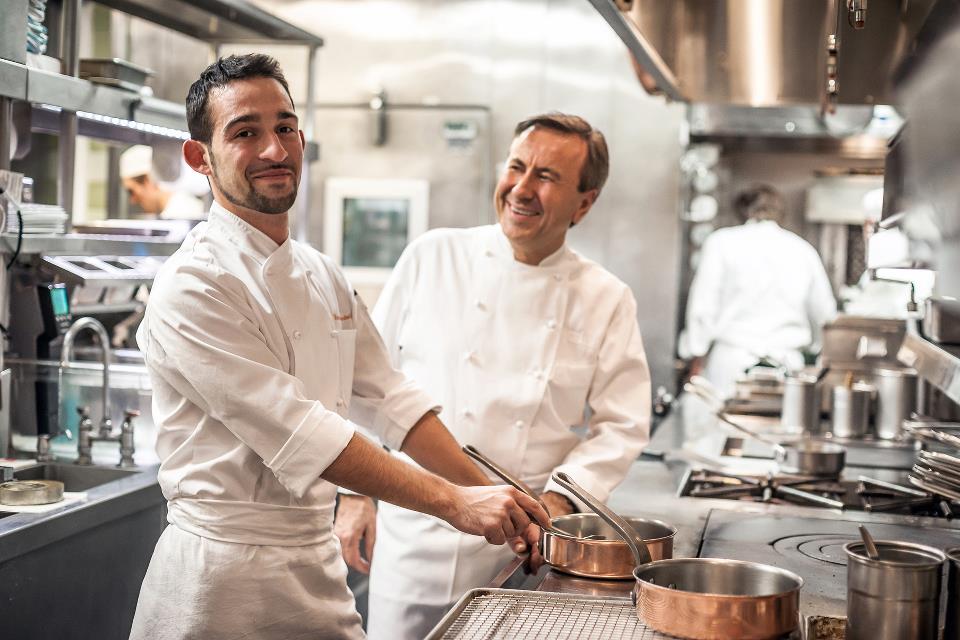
[865, 493]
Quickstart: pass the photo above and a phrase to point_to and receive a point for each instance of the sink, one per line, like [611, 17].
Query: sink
[74, 477]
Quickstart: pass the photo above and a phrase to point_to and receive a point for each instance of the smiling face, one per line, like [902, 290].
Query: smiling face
[537, 198]
[255, 154]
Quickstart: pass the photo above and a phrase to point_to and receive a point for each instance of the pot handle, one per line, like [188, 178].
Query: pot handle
[641, 555]
[635, 592]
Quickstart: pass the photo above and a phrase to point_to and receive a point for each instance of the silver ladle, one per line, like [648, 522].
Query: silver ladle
[869, 544]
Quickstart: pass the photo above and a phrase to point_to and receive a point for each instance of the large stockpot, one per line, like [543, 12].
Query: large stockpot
[705, 598]
[952, 629]
[583, 544]
[850, 410]
[896, 596]
[896, 400]
[801, 403]
[607, 557]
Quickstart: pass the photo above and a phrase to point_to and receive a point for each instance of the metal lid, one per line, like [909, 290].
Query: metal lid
[901, 555]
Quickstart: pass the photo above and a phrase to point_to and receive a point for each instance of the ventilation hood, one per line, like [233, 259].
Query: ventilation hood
[767, 53]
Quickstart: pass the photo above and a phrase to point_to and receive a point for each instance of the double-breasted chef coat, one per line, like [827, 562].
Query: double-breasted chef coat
[513, 353]
[254, 351]
[759, 290]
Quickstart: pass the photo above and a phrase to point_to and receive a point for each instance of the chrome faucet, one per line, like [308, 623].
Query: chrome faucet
[106, 425]
[124, 438]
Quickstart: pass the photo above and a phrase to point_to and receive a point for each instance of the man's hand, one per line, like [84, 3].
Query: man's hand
[356, 520]
[496, 513]
[530, 540]
[557, 503]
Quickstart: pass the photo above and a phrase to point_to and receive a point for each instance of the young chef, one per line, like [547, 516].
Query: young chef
[255, 345]
[516, 333]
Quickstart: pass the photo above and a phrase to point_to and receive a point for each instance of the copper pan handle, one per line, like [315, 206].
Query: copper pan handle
[641, 555]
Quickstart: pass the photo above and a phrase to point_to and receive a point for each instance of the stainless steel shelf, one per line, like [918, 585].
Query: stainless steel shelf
[13, 79]
[74, 94]
[217, 21]
[88, 244]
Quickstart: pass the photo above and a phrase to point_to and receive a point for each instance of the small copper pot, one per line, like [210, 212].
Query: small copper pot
[609, 557]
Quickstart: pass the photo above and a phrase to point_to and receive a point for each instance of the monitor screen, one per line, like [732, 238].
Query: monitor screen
[61, 304]
[374, 231]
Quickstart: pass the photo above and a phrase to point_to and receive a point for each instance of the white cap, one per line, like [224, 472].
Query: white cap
[136, 161]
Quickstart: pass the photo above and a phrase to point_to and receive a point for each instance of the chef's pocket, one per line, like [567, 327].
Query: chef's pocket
[569, 384]
[346, 340]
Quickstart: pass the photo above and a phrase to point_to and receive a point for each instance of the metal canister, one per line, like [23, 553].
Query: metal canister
[952, 629]
[896, 596]
[850, 410]
[896, 399]
[801, 404]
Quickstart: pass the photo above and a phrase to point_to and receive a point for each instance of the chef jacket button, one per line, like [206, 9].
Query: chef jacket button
[488, 253]
[297, 334]
[334, 333]
[551, 324]
[339, 402]
[557, 277]
[518, 424]
[479, 304]
[468, 356]
[538, 374]
[466, 413]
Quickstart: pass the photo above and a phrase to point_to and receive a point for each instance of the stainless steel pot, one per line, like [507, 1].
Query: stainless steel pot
[806, 456]
[850, 410]
[952, 629]
[705, 598]
[896, 596]
[800, 410]
[896, 400]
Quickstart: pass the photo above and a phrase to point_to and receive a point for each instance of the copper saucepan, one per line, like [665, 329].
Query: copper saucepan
[806, 456]
[705, 598]
[583, 544]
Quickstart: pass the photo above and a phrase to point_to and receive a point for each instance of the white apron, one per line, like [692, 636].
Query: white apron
[255, 567]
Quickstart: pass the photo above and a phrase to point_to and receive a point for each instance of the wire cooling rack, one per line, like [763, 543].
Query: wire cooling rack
[504, 614]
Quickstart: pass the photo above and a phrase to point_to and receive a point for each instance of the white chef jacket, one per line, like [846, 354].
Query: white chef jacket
[514, 353]
[254, 352]
[183, 206]
[759, 290]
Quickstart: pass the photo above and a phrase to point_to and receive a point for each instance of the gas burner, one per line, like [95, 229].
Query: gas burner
[863, 494]
[824, 547]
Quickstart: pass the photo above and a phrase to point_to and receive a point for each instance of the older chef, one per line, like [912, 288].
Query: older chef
[759, 290]
[255, 345]
[516, 334]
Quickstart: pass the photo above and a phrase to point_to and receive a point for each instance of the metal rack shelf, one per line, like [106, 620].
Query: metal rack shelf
[217, 21]
[88, 244]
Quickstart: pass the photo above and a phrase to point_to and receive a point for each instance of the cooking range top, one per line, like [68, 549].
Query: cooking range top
[811, 546]
[863, 494]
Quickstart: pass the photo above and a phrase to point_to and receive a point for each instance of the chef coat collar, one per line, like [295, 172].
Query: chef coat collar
[505, 249]
[243, 234]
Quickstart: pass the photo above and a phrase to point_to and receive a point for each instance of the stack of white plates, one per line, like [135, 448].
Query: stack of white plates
[38, 218]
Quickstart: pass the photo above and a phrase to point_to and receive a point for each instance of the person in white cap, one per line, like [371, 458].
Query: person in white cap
[154, 197]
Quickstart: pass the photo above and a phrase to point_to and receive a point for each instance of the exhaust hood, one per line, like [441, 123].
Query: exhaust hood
[767, 53]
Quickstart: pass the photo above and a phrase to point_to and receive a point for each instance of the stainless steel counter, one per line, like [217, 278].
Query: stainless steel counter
[805, 540]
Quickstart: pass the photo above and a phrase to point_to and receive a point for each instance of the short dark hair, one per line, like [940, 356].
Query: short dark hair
[596, 167]
[220, 74]
[760, 202]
